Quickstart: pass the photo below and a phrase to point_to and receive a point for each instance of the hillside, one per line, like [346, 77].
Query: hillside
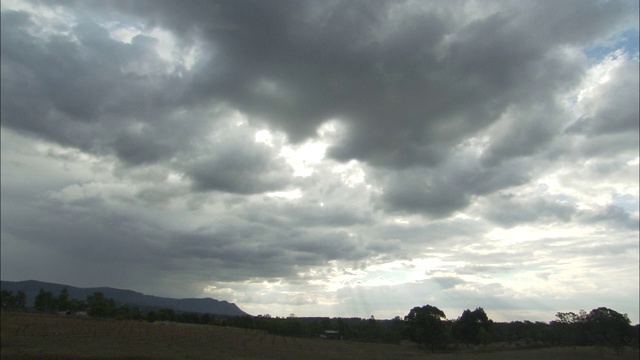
[202, 305]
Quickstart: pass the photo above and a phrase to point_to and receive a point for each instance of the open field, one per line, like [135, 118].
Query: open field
[37, 336]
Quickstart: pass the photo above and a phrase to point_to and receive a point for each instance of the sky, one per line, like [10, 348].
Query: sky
[326, 158]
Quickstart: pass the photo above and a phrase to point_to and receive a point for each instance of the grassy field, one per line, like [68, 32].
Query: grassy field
[38, 336]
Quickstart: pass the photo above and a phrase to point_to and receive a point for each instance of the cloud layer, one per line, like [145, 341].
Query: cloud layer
[321, 158]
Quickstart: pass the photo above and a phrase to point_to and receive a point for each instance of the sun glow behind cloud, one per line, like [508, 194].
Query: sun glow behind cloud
[304, 157]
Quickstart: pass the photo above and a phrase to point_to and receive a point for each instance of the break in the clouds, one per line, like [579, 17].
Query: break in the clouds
[341, 158]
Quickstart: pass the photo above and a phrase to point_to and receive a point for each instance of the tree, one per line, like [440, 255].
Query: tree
[101, 306]
[7, 300]
[344, 328]
[62, 301]
[601, 326]
[129, 312]
[607, 327]
[473, 327]
[425, 326]
[44, 301]
[77, 305]
[205, 318]
[398, 326]
[20, 300]
[570, 328]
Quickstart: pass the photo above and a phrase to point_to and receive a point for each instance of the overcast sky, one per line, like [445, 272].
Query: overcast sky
[326, 158]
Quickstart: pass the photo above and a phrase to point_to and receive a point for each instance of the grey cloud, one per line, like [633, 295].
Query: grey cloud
[158, 196]
[333, 245]
[258, 251]
[118, 249]
[441, 191]
[79, 93]
[449, 231]
[609, 124]
[136, 149]
[448, 282]
[102, 235]
[76, 94]
[488, 296]
[336, 216]
[578, 21]
[610, 214]
[310, 214]
[522, 133]
[491, 260]
[483, 269]
[622, 250]
[510, 210]
[403, 104]
[240, 169]
[606, 145]
[614, 105]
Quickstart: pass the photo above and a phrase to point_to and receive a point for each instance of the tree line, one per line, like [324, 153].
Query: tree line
[427, 326]
[10, 301]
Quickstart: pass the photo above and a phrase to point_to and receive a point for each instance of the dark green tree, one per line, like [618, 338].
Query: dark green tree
[77, 305]
[325, 324]
[473, 327]
[399, 326]
[62, 301]
[20, 300]
[570, 328]
[100, 306]
[44, 301]
[129, 312]
[292, 327]
[7, 300]
[166, 314]
[205, 318]
[606, 327]
[426, 326]
[314, 328]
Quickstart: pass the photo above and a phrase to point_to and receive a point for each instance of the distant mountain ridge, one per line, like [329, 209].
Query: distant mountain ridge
[121, 296]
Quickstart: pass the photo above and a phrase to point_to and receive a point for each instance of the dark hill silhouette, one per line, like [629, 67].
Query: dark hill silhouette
[130, 297]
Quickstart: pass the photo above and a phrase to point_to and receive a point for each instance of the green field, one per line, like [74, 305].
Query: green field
[39, 336]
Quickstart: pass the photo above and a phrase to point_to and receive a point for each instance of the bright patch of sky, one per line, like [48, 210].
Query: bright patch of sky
[303, 158]
[626, 41]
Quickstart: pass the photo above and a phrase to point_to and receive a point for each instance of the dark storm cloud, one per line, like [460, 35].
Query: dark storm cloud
[440, 191]
[85, 234]
[110, 233]
[239, 168]
[77, 94]
[240, 250]
[137, 149]
[407, 80]
[81, 91]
